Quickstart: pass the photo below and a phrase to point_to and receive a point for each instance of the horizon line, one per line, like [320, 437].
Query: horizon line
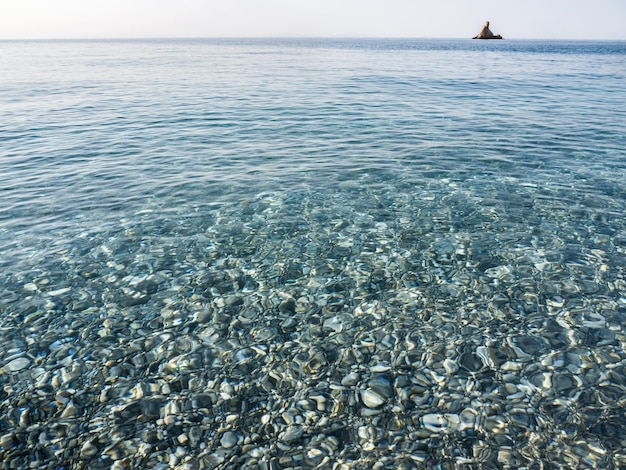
[289, 36]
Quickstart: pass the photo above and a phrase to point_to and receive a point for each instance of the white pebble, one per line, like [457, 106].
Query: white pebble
[434, 422]
[56, 293]
[371, 399]
[17, 364]
[88, 450]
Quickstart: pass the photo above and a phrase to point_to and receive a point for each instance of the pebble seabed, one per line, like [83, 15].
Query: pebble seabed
[353, 328]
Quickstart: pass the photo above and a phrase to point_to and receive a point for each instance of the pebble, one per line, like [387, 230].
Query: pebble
[228, 440]
[372, 399]
[434, 422]
[292, 433]
[350, 380]
[58, 292]
[6, 441]
[17, 364]
[88, 450]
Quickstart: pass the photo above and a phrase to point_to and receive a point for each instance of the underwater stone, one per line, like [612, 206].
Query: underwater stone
[351, 379]
[292, 433]
[228, 440]
[372, 399]
[17, 364]
[88, 450]
[434, 422]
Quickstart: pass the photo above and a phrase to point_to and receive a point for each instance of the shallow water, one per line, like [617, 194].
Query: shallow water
[308, 253]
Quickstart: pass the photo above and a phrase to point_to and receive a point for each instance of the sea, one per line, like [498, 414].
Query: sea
[312, 253]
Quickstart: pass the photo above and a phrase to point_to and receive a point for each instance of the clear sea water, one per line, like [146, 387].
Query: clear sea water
[205, 238]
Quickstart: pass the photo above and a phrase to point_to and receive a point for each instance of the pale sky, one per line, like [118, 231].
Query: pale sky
[523, 19]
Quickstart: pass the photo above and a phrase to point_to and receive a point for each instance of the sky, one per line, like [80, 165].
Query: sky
[523, 19]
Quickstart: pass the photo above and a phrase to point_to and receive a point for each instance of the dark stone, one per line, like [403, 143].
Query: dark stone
[147, 286]
[135, 299]
[287, 306]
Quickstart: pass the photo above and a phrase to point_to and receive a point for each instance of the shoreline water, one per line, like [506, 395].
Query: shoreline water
[263, 256]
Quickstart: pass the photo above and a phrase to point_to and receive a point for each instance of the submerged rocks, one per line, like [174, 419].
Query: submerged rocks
[386, 339]
[485, 33]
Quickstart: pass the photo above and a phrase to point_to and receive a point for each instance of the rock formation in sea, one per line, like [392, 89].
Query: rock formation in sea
[486, 33]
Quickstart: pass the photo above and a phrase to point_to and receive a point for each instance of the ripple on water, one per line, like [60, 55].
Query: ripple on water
[291, 265]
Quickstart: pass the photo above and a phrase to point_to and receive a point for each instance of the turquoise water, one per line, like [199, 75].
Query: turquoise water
[312, 253]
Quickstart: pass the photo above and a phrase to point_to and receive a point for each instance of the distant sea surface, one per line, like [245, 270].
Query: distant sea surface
[272, 253]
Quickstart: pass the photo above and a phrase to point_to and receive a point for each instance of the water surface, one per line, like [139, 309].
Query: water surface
[295, 252]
